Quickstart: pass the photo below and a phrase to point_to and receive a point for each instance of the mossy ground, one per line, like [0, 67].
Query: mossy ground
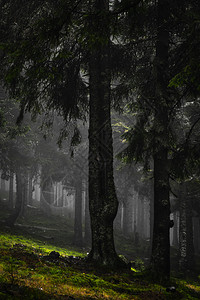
[27, 271]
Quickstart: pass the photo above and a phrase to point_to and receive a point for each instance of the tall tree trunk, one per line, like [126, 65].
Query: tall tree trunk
[186, 245]
[128, 217]
[45, 201]
[125, 220]
[196, 227]
[141, 216]
[24, 193]
[175, 231]
[11, 186]
[160, 258]
[3, 183]
[103, 202]
[135, 218]
[151, 216]
[30, 188]
[78, 213]
[19, 200]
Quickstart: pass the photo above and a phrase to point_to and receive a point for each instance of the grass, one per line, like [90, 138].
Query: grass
[28, 271]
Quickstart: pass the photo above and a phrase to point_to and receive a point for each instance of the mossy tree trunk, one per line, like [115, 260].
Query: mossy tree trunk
[160, 258]
[103, 203]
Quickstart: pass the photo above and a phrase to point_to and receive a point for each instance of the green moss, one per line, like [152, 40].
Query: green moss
[25, 272]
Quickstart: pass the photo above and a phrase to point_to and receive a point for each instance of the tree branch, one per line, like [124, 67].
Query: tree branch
[191, 129]
[126, 7]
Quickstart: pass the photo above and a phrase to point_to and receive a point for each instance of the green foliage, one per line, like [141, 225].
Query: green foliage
[189, 76]
[10, 266]
[40, 63]
[139, 265]
[138, 147]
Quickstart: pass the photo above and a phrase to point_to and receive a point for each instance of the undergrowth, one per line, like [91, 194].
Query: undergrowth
[32, 270]
[39, 261]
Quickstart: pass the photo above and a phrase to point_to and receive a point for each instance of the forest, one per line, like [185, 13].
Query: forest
[100, 149]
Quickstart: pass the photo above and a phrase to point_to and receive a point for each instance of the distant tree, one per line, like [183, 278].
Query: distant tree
[78, 237]
[185, 170]
[14, 155]
[186, 242]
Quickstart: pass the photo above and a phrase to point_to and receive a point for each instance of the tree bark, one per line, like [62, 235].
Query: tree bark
[160, 258]
[103, 202]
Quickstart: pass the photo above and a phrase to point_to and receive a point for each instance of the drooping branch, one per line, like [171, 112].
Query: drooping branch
[125, 7]
[191, 130]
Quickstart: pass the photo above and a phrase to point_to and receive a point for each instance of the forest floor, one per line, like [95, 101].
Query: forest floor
[38, 263]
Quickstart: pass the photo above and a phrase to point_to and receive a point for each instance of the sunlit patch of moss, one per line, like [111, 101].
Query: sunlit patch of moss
[92, 293]
[134, 270]
[23, 263]
[1, 268]
[194, 287]
[39, 247]
[187, 288]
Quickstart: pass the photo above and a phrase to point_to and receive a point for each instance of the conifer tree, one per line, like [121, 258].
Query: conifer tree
[47, 46]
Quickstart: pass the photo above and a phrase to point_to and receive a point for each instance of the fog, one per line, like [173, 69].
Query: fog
[44, 191]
